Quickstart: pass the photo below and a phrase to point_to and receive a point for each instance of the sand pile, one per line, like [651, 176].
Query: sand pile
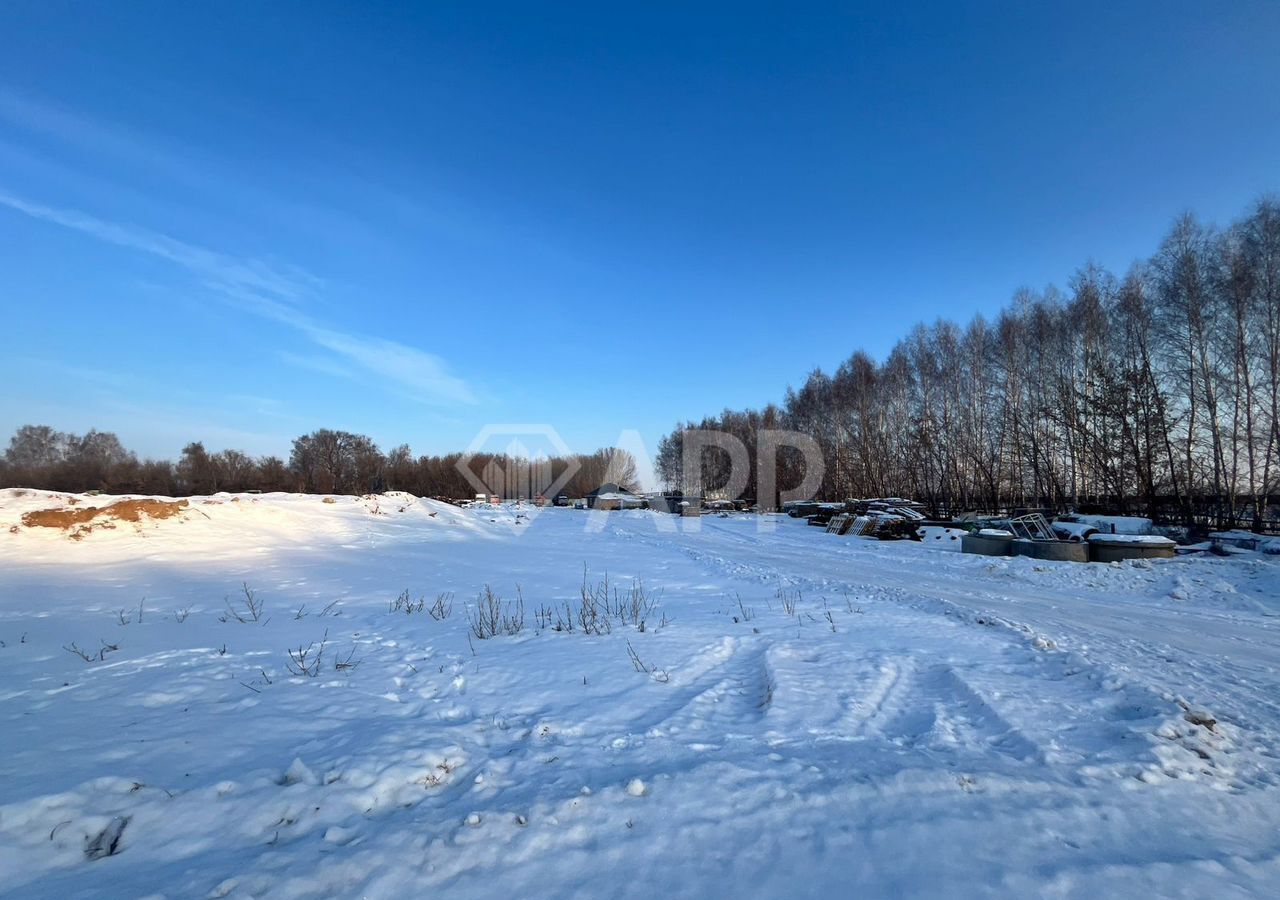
[83, 520]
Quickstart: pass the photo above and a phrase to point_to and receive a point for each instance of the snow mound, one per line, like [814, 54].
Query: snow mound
[38, 524]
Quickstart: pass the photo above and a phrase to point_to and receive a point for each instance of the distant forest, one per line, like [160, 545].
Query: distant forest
[322, 462]
[1155, 392]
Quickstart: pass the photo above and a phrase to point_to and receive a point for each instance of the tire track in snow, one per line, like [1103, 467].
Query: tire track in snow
[926, 596]
[863, 710]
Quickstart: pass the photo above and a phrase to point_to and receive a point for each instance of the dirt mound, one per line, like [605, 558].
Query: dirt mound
[87, 518]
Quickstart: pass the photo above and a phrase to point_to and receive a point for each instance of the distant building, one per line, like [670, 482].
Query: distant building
[673, 502]
[611, 496]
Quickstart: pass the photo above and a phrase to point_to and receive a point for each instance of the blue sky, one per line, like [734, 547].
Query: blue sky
[238, 222]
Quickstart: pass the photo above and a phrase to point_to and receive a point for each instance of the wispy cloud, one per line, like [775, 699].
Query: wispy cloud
[325, 365]
[29, 114]
[421, 373]
[218, 269]
[274, 292]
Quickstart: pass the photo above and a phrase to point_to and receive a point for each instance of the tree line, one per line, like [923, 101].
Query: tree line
[325, 461]
[1155, 392]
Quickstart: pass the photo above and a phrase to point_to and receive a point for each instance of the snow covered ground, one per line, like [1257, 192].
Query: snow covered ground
[802, 715]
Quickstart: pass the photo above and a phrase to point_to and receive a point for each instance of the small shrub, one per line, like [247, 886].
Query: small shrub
[492, 616]
[594, 613]
[248, 609]
[346, 663]
[125, 616]
[660, 675]
[789, 600]
[636, 606]
[74, 648]
[265, 680]
[443, 607]
[405, 604]
[307, 660]
[543, 615]
[601, 605]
